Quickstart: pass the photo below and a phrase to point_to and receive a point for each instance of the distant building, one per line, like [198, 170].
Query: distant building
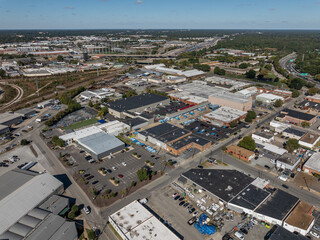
[309, 140]
[26, 112]
[263, 137]
[293, 133]
[312, 165]
[240, 153]
[315, 98]
[268, 98]
[224, 116]
[46, 103]
[123, 107]
[9, 119]
[134, 222]
[231, 100]
[297, 117]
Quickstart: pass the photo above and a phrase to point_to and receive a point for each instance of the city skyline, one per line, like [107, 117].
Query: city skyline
[150, 14]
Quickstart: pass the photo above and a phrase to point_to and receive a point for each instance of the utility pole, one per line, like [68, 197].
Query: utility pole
[305, 180]
[37, 86]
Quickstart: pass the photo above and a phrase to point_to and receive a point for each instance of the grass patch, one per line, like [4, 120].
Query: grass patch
[81, 124]
[114, 231]
[8, 94]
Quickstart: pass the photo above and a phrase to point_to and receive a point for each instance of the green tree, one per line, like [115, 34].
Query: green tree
[243, 65]
[60, 58]
[317, 77]
[71, 215]
[2, 73]
[297, 83]
[251, 74]
[292, 144]
[24, 142]
[248, 143]
[224, 148]
[278, 103]
[219, 71]
[250, 116]
[268, 67]
[295, 93]
[233, 124]
[90, 104]
[313, 91]
[143, 174]
[103, 111]
[305, 124]
[202, 67]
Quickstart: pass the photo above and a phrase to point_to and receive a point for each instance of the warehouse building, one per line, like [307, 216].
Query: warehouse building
[312, 165]
[309, 140]
[98, 93]
[279, 127]
[296, 117]
[293, 133]
[135, 222]
[248, 92]
[22, 214]
[268, 98]
[9, 119]
[263, 137]
[26, 112]
[315, 98]
[46, 103]
[163, 134]
[4, 129]
[100, 145]
[240, 153]
[226, 83]
[300, 219]
[142, 102]
[224, 116]
[191, 141]
[280, 233]
[276, 208]
[287, 161]
[221, 184]
[231, 100]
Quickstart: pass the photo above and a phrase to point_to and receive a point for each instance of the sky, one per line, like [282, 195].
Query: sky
[159, 14]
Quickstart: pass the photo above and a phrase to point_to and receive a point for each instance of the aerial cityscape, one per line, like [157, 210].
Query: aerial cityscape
[159, 120]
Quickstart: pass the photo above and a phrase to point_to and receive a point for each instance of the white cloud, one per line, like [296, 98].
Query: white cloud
[139, 2]
[69, 7]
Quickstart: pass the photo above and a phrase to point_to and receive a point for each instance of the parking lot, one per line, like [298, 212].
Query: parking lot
[212, 132]
[123, 166]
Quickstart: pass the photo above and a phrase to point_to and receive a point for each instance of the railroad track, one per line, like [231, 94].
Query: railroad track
[16, 98]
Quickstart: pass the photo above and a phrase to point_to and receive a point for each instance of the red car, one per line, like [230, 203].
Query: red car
[120, 176]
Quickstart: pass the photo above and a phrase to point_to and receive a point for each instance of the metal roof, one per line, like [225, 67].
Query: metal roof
[21, 192]
[100, 142]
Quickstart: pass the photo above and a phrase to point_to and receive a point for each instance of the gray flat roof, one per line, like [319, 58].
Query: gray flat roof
[5, 117]
[55, 204]
[100, 142]
[294, 132]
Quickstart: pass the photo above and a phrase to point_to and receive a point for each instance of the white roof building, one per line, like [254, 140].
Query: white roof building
[313, 164]
[224, 115]
[135, 222]
[248, 92]
[268, 98]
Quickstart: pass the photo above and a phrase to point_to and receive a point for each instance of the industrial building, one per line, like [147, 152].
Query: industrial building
[276, 208]
[315, 98]
[46, 103]
[312, 165]
[135, 222]
[224, 116]
[296, 117]
[225, 83]
[262, 137]
[231, 100]
[240, 153]
[98, 93]
[4, 129]
[9, 119]
[280, 233]
[309, 140]
[279, 127]
[191, 141]
[268, 98]
[248, 92]
[293, 133]
[147, 101]
[287, 161]
[300, 219]
[27, 210]
[100, 145]
[26, 112]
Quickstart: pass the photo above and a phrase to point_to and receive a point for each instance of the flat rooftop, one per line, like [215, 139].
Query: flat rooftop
[134, 102]
[313, 162]
[187, 140]
[263, 135]
[301, 216]
[310, 138]
[5, 117]
[100, 142]
[159, 130]
[294, 132]
[251, 197]
[278, 205]
[173, 135]
[289, 159]
[225, 114]
[225, 184]
[281, 233]
[231, 97]
[298, 115]
[137, 223]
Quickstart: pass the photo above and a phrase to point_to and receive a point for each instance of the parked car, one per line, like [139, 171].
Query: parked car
[245, 231]
[109, 171]
[266, 166]
[95, 182]
[180, 199]
[181, 203]
[186, 204]
[192, 210]
[177, 197]
[199, 166]
[195, 213]
[124, 163]
[316, 235]
[87, 210]
[174, 195]
[285, 186]
[120, 175]
[192, 220]
[114, 168]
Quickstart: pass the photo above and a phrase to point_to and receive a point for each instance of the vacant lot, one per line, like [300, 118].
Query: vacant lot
[81, 124]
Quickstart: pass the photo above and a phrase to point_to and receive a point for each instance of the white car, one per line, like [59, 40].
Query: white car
[124, 163]
[114, 168]
[86, 210]
[316, 235]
